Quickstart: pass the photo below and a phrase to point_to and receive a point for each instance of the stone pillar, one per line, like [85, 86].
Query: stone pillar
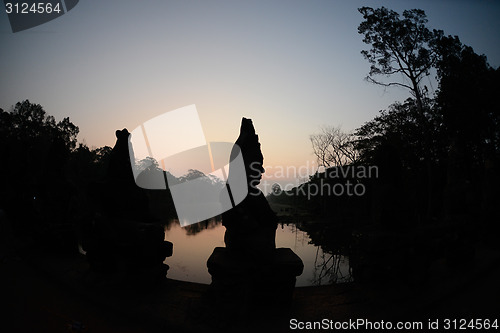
[261, 285]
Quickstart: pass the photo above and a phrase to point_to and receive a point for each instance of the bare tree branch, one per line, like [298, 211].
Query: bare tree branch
[333, 147]
[372, 80]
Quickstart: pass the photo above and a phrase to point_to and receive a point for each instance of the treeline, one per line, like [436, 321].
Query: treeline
[437, 153]
[39, 182]
[52, 185]
[433, 202]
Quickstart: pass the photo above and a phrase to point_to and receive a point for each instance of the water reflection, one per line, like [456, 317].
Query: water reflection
[194, 229]
[194, 244]
[330, 268]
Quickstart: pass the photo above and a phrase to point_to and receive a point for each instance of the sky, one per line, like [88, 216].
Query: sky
[291, 66]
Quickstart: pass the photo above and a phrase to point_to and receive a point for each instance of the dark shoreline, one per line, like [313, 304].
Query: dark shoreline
[46, 292]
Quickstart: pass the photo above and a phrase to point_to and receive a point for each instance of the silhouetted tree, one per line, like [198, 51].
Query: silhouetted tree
[399, 127]
[334, 147]
[29, 121]
[467, 98]
[88, 164]
[400, 46]
[35, 149]
[34, 141]
[403, 45]
[210, 180]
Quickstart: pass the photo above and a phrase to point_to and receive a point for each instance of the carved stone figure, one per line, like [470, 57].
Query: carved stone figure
[250, 276]
[251, 225]
[122, 242]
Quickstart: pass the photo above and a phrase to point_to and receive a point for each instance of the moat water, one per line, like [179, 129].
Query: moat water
[194, 244]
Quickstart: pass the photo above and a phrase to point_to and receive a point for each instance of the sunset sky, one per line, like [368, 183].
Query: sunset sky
[291, 66]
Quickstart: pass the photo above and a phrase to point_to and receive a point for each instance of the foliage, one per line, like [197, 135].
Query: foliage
[208, 180]
[398, 127]
[28, 122]
[88, 164]
[400, 45]
[466, 98]
[35, 151]
[432, 150]
[34, 143]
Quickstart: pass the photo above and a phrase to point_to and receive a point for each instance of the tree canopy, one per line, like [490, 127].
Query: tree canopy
[440, 141]
[334, 147]
[463, 109]
[33, 142]
[399, 45]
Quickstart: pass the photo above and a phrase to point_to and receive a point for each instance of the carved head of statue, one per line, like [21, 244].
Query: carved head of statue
[249, 144]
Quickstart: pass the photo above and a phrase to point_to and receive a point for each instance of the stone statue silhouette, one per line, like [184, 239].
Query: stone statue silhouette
[251, 278]
[251, 225]
[122, 242]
